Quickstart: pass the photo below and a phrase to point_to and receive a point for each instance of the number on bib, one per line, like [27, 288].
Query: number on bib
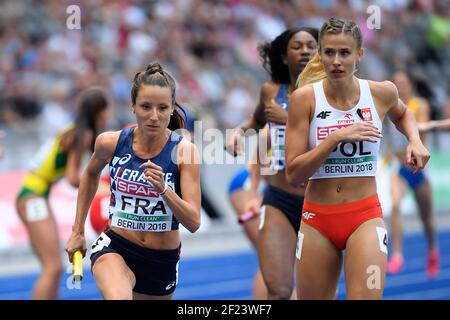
[102, 241]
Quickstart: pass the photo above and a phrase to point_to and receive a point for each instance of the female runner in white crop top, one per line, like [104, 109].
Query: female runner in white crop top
[332, 138]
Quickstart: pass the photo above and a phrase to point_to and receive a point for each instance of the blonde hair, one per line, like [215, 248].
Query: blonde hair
[313, 72]
[336, 26]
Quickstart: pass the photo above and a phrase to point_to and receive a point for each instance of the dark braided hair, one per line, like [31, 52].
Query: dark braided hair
[271, 53]
[155, 75]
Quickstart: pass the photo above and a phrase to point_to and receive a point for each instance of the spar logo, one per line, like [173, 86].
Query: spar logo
[324, 132]
[136, 189]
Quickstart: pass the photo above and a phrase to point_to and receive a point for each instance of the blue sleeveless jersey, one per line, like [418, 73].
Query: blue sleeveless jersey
[278, 132]
[282, 96]
[135, 204]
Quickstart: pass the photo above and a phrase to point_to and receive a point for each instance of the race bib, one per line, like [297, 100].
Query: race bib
[36, 209]
[382, 239]
[102, 241]
[155, 223]
[298, 250]
[277, 141]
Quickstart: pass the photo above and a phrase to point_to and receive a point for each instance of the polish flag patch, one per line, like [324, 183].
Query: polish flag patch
[366, 114]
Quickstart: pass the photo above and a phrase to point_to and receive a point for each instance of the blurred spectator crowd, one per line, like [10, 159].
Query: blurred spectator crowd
[209, 46]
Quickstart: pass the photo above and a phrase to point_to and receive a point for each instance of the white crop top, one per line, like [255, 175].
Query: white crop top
[348, 159]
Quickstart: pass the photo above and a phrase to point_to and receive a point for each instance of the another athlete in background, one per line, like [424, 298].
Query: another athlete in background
[59, 157]
[404, 177]
[244, 196]
[284, 58]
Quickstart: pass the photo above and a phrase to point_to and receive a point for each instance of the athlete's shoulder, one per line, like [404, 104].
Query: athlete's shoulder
[385, 91]
[270, 87]
[109, 136]
[186, 144]
[302, 102]
[106, 142]
[383, 88]
[304, 92]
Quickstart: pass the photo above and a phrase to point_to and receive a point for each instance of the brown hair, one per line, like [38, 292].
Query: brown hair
[337, 26]
[155, 75]
[91, 102]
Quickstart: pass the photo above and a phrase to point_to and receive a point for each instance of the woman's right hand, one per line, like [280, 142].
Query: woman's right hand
[253, 204]
[361, 131]
[77, 241]
[234, 144]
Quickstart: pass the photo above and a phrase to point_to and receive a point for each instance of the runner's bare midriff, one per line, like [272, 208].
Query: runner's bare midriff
[152, 240]
[340, 190]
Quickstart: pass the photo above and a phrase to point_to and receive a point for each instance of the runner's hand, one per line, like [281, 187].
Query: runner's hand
[76, 242]
[360, 131]
[417, 155]
[154, 174]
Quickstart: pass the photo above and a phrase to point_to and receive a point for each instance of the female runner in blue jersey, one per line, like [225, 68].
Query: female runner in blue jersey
[155, 185]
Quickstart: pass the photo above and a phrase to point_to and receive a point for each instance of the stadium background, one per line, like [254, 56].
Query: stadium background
[211, 49]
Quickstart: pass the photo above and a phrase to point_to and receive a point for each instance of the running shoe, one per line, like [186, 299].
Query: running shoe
[433, 263]
[395, 264]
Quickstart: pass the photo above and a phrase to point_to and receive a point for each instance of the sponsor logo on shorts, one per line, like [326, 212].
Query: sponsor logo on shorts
[170, 285]
[308, 215]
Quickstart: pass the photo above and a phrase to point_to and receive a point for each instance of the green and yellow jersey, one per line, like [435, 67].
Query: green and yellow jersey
[47, 167]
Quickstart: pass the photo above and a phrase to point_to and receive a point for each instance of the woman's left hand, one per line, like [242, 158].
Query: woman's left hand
[275, 112]
[417, 155]
[154, 174]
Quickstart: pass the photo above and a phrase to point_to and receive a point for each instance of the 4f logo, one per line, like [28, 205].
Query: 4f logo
[308, 215]
[323, 114]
